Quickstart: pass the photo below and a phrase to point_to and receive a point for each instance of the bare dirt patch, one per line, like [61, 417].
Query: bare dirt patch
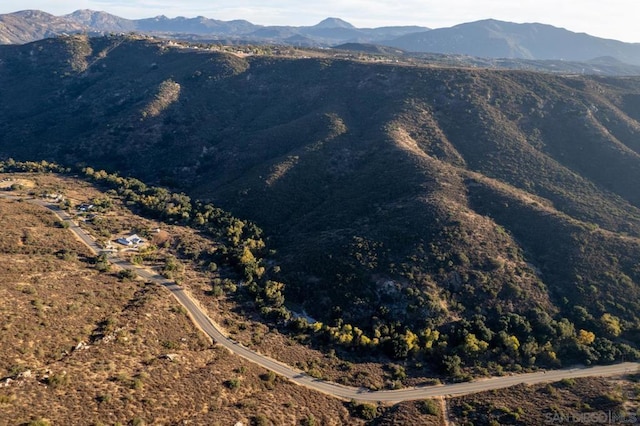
[17, 183]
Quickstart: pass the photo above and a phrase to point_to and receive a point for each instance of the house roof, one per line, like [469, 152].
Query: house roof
[131, 239]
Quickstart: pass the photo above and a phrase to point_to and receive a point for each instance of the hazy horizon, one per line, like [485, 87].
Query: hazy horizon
[613, 20]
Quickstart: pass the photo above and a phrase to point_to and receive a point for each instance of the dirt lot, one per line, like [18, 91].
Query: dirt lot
[16, 183]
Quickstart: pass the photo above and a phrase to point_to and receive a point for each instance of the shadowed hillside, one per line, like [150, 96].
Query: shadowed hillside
[495, 204]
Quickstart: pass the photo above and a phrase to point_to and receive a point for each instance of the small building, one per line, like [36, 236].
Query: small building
[131, 240]
[85, 207]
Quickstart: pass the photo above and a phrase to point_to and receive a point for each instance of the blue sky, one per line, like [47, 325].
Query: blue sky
[610, 19]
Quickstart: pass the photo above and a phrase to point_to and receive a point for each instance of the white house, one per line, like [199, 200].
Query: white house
[131, 240]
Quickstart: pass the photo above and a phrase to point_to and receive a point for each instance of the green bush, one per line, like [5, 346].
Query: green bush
[309, 421]
[260, 420]
[127, 274]
[170, 344]
[104, 398]
[57, 380]
[233, 383]
[67, 255]
[567, 383]
[269, 376]
[429, 407]
[363, 410]
[39, 422]
[102, 263]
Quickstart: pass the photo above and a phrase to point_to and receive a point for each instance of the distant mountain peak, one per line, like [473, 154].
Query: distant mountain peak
[82, 12]
[334, 23]
[100, 21]
[32, 13]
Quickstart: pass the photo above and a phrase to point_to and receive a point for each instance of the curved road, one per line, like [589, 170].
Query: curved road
[334, 389]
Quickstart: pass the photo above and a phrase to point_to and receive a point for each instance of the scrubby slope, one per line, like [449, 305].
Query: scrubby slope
[483, 203]
[80, 346]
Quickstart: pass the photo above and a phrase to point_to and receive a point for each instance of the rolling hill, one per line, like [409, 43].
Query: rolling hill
[31, 25]
[475, 216]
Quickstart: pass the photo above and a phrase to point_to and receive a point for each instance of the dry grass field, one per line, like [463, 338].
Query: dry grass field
[80, 346]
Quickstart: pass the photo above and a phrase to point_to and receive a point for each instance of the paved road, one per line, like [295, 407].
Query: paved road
[334, 389]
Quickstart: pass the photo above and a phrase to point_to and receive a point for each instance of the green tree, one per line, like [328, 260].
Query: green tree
[473, 345]
[610, 325]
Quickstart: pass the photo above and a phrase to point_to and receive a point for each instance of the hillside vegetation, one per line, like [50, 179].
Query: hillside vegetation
[470, 217]
[85, 344]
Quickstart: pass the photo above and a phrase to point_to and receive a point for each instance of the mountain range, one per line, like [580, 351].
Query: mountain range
[497, 39]
[487, 38]
[498, 208]
[25, 26]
